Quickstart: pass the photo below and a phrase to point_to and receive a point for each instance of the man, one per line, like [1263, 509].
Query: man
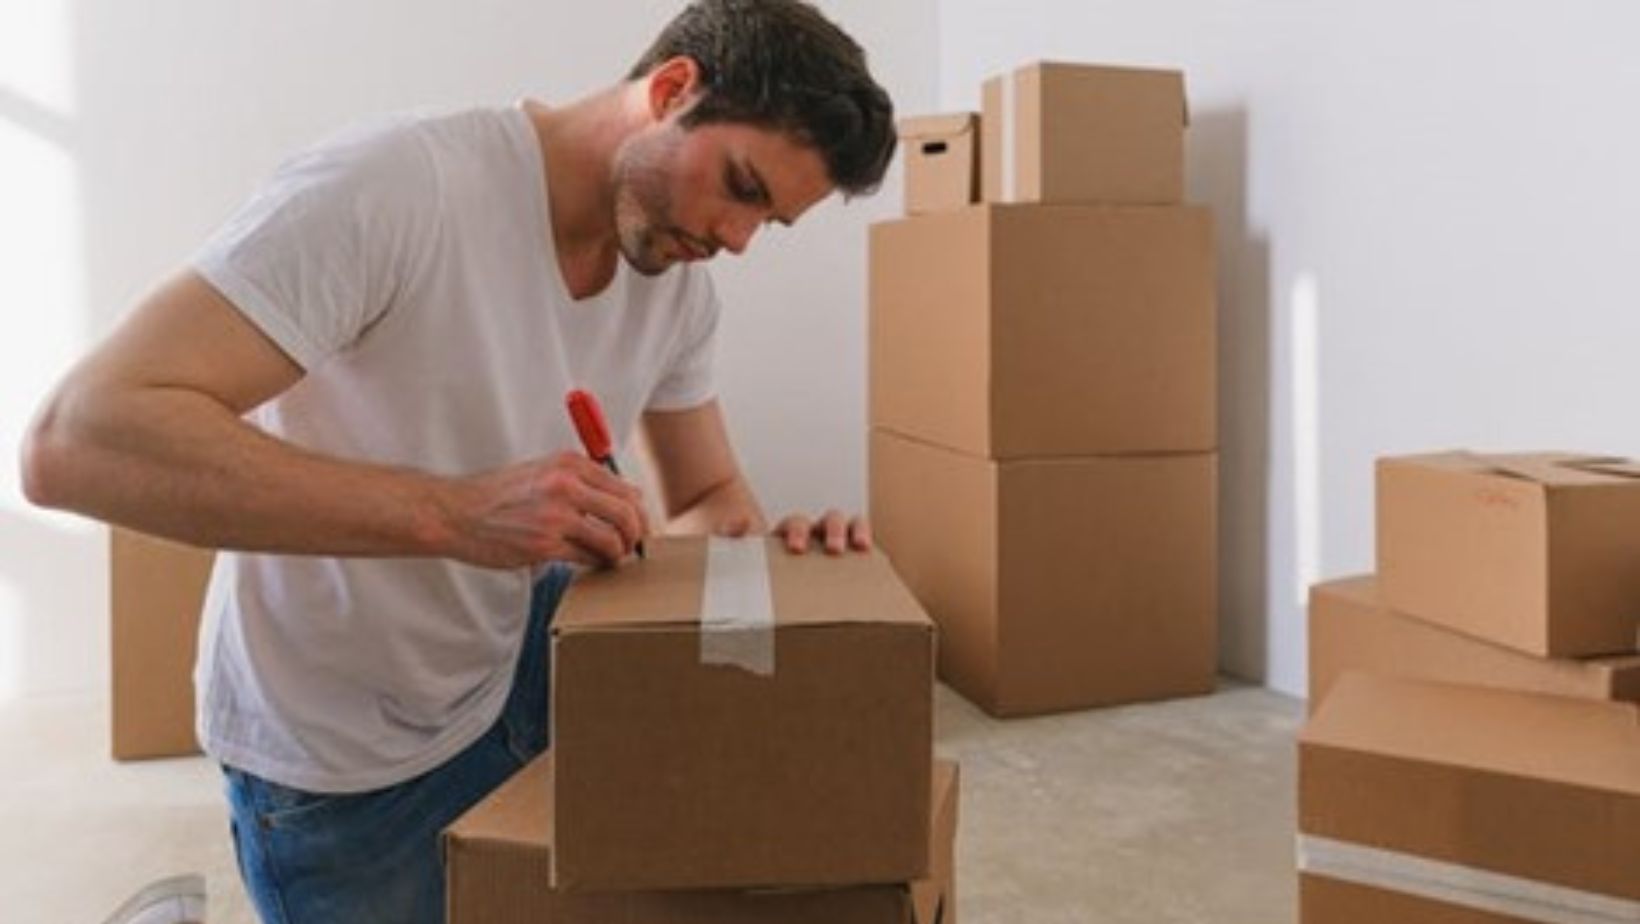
[400, 313]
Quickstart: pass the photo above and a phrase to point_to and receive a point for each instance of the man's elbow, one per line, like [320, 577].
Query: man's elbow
[44, 459]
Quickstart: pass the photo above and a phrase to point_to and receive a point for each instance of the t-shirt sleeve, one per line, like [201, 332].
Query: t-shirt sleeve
[687, 381]
[315, 257]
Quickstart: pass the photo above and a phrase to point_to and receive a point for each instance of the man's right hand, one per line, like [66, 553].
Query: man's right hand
[562, 508]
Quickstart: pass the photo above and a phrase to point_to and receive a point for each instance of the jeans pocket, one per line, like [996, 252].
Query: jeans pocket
[276, 806]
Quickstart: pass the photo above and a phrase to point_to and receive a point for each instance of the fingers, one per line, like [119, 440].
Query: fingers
[590, 489]
[794, 532]
[624, 518]
[833, 532]
[859, 534]
[592, 541]
[836, 531]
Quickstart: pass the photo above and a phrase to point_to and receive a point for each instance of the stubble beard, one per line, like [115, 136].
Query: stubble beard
[643, 202]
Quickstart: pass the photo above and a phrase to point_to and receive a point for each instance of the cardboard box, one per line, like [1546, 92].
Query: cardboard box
[1032, 330]
[941, 162]
[157, 589]
[1084, 133]
[1352, 629]
[497, 858]
[1537, 551]
[1056, 583]
[725, 713]
[1489, 805]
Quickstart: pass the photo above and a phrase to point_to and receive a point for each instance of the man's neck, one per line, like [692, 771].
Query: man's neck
[578, 144]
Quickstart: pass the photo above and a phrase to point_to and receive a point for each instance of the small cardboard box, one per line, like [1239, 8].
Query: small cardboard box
[728, 714]
[1421, 801]
[1036, 330]
[941, 162]
[157, 589]
[1536, 551]
[497, 858]
[1056, 583]
[1352, 629]
[1065, 133]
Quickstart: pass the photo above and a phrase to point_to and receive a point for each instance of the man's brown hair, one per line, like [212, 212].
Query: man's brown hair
[780, 64]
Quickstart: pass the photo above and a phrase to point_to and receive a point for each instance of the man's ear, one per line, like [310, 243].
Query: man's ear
[673, 85]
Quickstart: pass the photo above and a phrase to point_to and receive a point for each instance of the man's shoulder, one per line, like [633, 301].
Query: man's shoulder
[463, 124]
[420, 135]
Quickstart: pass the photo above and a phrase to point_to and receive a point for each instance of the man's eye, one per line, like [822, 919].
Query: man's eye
[741, 188]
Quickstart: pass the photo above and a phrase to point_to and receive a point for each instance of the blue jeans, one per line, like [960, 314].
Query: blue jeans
[374, 857]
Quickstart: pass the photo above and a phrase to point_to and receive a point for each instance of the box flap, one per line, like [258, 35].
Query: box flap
[1560, 739]
[1615, 469]
[1545, 468]
[518, 813]
[667, 589]
[1552, 468]
[931, 127]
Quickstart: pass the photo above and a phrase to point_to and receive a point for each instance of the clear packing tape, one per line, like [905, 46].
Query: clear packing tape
[737, 606]
[1464, 886]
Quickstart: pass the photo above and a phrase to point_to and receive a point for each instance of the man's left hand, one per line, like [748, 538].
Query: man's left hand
[835, 531]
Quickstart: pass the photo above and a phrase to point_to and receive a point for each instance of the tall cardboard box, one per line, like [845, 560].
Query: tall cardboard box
[1030, 331]
[497, 858]
[1056, 583]
[726, 713]
[1431, 802]
[941, 154]
[1352, 629]
[157, 589]
[1055, 132]
[1536, 551]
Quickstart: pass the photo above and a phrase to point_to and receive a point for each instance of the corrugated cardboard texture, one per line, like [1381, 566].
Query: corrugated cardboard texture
[1057, 584]
[497, 859]
[1086, 134]
[1352, 629]
[941, 155]
[677, 774]
[157, 590]
[1036, 331]
[1539, 787]
[1330, 901]
[1539, 552]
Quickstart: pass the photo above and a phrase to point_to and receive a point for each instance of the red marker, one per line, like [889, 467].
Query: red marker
[594, 433]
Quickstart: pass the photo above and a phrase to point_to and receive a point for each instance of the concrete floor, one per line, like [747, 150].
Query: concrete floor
[1150, 814]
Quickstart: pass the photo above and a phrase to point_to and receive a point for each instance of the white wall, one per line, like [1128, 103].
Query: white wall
[1428, 239]
[1425, 212]
[129, 130]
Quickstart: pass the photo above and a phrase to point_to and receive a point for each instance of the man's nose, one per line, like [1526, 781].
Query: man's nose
[738, 228]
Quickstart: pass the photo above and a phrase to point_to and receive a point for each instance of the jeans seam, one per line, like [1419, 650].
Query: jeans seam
[264, 834]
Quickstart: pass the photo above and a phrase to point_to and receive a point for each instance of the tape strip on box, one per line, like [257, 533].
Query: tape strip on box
[1453, 884]
[737, 606]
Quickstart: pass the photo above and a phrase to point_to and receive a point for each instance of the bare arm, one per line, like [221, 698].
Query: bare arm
[704, 490]
[701, 485]
[146, 432]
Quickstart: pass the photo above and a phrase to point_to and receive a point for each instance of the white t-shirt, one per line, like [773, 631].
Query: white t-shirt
[408, 266]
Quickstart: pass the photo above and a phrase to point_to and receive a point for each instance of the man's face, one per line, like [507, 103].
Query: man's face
[682, 194]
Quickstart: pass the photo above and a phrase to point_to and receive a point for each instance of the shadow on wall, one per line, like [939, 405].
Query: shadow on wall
[1216, 173]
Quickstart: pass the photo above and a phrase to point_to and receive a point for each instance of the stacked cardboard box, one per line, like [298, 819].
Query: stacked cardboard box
[1043, 399]
[1473, 752]
[738, 733]
[499, 857]
[157, 589]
